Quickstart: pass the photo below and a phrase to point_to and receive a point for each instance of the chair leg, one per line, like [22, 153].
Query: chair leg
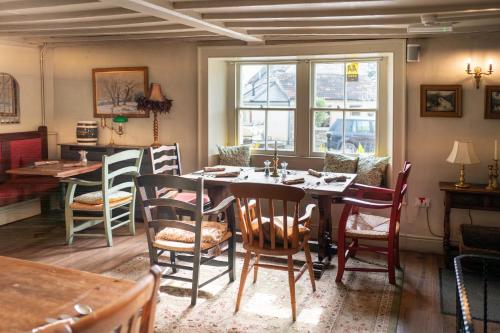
[309, 262]
[231, 258]
[107, 227]
[354, 248]
[244, 273]
[341, 259]
[396, 252]
[69, 225]
[196, 274]
[172, 261]
[131, 224]
[390, 262]
[291, 282]
[256, 268]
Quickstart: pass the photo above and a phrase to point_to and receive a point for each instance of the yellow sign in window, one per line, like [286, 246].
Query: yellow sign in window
[352, 71]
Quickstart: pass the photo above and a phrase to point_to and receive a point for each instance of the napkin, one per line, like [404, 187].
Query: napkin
[227, 174]
[76, 164]
[40, 163]
[293, 181]
[314, 173]
[337, 179]
[213, 169]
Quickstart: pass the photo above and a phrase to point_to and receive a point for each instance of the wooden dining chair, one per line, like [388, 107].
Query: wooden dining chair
[273, 235]
[198, 241]
[133, 312]
[356, 226]
[166, 160]
[117, 193]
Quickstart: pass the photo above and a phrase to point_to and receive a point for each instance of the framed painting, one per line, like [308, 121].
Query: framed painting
[440, 100]
[9, 108]
[116, 91]
[492, 102]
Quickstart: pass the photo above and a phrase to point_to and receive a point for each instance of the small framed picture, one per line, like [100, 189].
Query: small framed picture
[116, 91]
[492, 102]
[440, 100]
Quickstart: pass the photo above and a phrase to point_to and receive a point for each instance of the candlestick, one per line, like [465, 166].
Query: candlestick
[275, 161]
[493, 176]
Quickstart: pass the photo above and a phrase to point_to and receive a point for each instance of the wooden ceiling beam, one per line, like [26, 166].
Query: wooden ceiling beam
[380, 11]
[193, 5]
[37, 4]
[137, 21]
[339, 31]
[324, 23]
[102, 31]
[164, 9]
[95, 14]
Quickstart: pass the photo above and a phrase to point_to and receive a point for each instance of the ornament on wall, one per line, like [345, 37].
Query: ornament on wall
[156, 103]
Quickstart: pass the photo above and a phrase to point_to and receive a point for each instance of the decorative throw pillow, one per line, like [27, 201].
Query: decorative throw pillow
[340, 163]
[235, 155]
[95, 198]
[371, 170]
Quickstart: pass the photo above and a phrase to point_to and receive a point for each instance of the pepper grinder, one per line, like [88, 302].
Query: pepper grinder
[83, 156]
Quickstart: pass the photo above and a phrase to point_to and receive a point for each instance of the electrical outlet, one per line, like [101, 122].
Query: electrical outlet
[422, 202]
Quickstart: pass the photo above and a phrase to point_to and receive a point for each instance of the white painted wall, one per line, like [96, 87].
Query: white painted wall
[171, 65]
[443, 61]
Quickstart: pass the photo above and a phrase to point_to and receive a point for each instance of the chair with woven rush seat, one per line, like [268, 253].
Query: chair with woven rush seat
[198, 240]
[111, 197]
[166, 160]
[355, 225]
[273, 235]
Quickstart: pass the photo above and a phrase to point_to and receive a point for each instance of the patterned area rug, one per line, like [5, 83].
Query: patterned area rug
[364, 302]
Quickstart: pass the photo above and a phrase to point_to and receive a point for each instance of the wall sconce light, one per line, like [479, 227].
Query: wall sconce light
[120, 120]
[478, 72]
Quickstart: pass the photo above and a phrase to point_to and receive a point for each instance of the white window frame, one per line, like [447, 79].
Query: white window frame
[239, 108]
[344, 110]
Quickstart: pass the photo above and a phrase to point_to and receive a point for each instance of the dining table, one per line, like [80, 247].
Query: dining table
[217, 186]
[33, 294]
[58, 169]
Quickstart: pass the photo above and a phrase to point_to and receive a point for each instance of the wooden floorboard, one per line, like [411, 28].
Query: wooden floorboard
[41, 239]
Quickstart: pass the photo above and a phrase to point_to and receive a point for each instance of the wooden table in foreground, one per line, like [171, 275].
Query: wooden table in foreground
[30, 292]
[323, 193]
[58, 170]
[475, 197]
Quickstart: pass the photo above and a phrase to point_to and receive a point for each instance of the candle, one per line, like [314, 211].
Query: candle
[275, 145]
[495, 154]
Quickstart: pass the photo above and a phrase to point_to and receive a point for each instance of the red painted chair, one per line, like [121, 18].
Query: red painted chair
[356, 226]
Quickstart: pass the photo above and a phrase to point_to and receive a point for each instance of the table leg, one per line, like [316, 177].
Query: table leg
[62, 199]
[326, 248]
[446, 225]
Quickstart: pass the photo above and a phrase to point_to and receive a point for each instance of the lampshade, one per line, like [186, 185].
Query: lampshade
[120, 119]
[155, 93]
[463, 153]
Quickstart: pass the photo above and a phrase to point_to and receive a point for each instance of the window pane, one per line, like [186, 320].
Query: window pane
[360, 132]
[252, 128]
[253, 85]
[281, 129]
[329, 85]
[361, 89]
[328, 131]
[282, 86]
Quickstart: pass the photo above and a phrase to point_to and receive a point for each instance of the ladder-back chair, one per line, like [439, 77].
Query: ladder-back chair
[273, 235]
[166, 160]
[198, 241]
[115, 194]
[356, 225]
[133, 312]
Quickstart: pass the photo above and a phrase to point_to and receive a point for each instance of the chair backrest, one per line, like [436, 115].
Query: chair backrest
[272, 193]
[166, 160]
[399, 193]
[150, 205]
[132, 159]
[132, 312]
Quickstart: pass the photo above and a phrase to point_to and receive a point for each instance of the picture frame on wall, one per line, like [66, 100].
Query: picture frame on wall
[440, 100]
[9, 99]
[492, 102]
[116, 91]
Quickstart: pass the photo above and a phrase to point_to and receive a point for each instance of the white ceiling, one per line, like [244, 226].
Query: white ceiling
[246, 21]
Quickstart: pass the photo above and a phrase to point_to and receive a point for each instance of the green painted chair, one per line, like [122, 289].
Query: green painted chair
[115, 202]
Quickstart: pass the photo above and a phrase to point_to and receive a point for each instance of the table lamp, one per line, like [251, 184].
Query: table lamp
[462, 153]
